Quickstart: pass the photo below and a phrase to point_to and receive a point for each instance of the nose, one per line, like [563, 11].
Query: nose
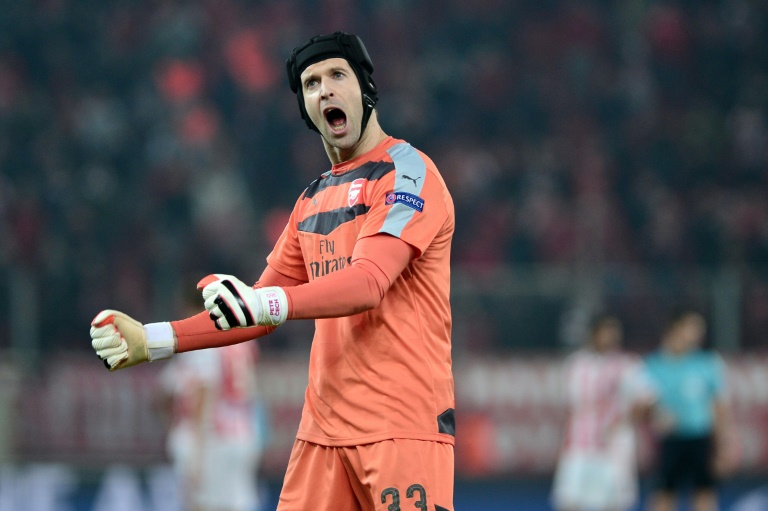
[325, 90]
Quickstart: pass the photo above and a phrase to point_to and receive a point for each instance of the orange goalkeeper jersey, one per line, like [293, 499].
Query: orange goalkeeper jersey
[384, 373]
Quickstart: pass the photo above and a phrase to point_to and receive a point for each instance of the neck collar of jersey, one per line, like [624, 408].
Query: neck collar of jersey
[372, 155]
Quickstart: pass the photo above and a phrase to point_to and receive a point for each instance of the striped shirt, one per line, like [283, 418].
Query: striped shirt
[601, 389]
[228, 373]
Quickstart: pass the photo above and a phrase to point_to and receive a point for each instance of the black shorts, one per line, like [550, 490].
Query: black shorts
[686, 462]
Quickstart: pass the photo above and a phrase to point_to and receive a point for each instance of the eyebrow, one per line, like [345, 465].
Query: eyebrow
[332, 70]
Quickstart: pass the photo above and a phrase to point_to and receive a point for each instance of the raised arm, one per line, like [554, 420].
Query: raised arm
[257, 310]
[121, 341]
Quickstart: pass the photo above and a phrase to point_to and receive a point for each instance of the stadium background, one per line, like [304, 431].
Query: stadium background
[600, 155]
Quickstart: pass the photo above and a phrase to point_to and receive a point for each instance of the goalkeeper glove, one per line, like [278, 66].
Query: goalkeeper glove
[231, 303]
[121, 341]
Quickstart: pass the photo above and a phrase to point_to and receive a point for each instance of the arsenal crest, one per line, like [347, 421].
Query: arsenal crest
[355, 192]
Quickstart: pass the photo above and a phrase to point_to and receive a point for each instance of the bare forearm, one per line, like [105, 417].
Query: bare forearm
[721, 420]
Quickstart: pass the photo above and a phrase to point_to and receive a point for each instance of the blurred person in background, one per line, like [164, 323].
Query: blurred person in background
[597, 466]
[214, 441]
[366, 253]
[690, 415]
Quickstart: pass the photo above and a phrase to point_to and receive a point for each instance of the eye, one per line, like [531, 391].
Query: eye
[339, 74]
[310, 83]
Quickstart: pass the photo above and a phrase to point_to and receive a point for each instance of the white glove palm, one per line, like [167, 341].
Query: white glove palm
[121, 341]
[232, 303]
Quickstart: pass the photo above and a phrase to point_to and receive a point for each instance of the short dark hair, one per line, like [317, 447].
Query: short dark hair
[679, 314]
[601, 320]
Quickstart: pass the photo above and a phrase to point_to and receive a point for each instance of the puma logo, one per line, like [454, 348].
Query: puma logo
[412, 179]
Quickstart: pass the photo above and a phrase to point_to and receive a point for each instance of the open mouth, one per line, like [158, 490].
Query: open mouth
[336, 119]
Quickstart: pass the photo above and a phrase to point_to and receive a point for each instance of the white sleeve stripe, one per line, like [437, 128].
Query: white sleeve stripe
[410, 173]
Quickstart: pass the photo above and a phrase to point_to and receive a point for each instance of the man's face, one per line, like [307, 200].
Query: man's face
[692, 331]
[334, 101]
[688, 334]
[608, 336]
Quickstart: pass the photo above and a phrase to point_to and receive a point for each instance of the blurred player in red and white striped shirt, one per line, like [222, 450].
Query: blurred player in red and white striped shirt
[212, 441]
[597, 468]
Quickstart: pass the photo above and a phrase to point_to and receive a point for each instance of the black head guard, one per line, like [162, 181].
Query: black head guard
[321, 47]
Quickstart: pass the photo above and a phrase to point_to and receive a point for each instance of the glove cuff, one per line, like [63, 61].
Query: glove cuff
[161, 341]
[274, 305]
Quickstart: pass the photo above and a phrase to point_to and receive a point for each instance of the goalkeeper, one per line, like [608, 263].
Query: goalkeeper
[366, 254]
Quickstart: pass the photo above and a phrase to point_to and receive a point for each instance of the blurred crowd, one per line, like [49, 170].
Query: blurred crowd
[145, 144]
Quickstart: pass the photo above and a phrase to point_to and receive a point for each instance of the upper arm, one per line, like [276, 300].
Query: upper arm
[719, 371]
[389, 254]
[377, 262]
[411, 203]
[286, 257]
